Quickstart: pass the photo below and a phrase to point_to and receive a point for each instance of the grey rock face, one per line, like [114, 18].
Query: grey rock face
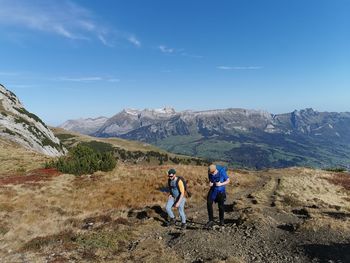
[25, 128]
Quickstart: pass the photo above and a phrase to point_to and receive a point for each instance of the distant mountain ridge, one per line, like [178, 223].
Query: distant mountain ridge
[84, 126]
[25, 128]
[250, 138]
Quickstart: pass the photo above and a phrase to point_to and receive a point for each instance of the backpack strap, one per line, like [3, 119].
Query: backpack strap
[169, 186]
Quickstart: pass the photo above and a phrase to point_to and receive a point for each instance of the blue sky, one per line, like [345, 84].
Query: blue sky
[81, 58]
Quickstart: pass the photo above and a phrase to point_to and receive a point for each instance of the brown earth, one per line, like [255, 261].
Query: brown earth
[29, 178]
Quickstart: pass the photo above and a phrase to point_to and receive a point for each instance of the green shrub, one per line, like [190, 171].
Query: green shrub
[99, 146]
[83, 160]
[31, 115]
[336, 169]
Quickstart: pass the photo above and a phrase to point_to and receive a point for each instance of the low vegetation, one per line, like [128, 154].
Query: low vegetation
[83, 160]
[127, 151]
[14, 158]
[30, 115]
[105, 217]
[336, 169]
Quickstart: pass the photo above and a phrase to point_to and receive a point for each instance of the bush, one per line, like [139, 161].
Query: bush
[336, 169]
[83, 160]
[101, 147]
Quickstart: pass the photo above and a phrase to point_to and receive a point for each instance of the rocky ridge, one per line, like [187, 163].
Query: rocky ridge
[25, 128]
[247, 138]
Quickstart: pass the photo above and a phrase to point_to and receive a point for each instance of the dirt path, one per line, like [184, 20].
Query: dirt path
[256, 230]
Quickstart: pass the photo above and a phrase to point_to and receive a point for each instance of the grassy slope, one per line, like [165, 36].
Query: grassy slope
[45, 217]
[49, 215]
[70, 137]
[15, 159]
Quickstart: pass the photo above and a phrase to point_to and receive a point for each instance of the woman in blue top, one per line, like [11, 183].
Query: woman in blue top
[218, 179]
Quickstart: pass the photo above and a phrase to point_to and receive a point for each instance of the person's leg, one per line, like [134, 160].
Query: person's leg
[221, 203]
[210, 207]
[169, 206]
[182, 211]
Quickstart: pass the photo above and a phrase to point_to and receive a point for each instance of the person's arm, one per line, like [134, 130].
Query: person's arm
[226, 180]
[182, 193]
[210, 182]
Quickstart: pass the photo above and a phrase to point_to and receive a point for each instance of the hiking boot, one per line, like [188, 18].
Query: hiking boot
[183, 226]
[222, 223]
[171, 222]
[210, 224]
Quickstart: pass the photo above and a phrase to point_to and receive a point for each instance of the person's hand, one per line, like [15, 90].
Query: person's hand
[218, 184]
[177, 205]
[211, 184]
[170, 197]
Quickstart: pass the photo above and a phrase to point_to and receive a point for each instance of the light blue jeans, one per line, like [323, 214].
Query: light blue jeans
[181, 208]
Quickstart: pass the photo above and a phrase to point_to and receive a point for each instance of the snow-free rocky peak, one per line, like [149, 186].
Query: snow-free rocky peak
[25, 128]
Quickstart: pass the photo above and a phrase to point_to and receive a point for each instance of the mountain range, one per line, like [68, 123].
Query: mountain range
[25, 128]
[240, 137]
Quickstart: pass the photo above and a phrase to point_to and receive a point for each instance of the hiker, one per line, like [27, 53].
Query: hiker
[176, 198]
[218, 179]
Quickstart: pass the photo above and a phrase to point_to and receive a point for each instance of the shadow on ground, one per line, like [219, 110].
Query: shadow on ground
[339, 253]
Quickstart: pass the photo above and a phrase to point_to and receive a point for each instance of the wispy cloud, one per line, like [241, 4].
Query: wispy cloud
[133, 40]
[89, 79]
[64, 18]
[82, 79]
[174, 51]
[165, 49]
[239, 67]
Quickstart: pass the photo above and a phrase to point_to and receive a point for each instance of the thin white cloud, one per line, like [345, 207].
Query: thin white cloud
[89, 79]
[104, 41]
[239, 67]
[63, 18]
[82, 79]
[165, 49]
[168, 50]
[133, 40]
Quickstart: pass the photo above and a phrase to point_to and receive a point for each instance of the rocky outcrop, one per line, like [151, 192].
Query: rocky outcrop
[25, 128]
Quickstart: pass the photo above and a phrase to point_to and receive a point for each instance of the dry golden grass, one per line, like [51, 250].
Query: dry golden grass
[312, 187]
[29, 211]
[15, 159]
[342, 179]
[38, 214]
